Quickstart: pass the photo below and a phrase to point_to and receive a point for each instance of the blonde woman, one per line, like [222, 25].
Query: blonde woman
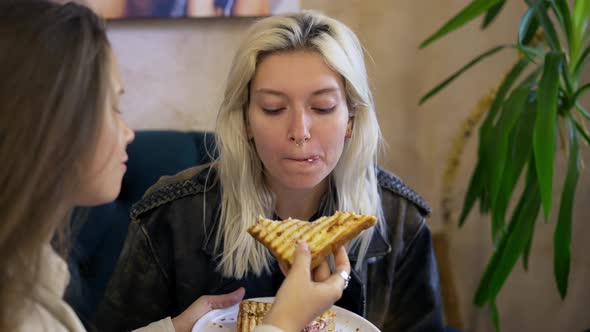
[62, 144]
[297, 137]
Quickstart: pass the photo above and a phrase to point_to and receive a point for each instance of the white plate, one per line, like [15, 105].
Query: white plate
[224, 320]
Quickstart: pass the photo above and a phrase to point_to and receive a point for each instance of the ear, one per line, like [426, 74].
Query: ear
[349, 127]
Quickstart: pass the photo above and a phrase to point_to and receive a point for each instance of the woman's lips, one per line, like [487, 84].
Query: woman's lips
[304, 163]
[306, 159]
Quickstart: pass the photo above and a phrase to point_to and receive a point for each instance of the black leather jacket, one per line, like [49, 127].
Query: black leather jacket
[168, 260]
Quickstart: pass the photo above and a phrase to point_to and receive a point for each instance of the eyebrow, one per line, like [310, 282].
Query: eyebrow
[279, 93]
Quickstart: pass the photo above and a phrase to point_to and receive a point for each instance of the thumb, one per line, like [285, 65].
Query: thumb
[203, 305]
[226, 300]
[302, 260]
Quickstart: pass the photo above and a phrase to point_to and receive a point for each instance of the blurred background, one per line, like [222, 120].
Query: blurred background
[116, 9]
[174, 72]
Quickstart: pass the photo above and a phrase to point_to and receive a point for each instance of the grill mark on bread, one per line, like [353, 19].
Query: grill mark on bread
[285, 241]
[296, 230]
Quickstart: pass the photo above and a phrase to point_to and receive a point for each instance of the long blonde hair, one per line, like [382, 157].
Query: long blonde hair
[54, 69]
[245, 195]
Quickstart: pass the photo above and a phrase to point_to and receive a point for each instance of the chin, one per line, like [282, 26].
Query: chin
[107, 195]
[304, 183]
[111, 195]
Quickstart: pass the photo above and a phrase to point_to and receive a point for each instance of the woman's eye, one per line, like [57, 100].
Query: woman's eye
[325, 110]
[272, 110]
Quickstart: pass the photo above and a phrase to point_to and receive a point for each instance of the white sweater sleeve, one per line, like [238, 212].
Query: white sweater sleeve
[163, 325]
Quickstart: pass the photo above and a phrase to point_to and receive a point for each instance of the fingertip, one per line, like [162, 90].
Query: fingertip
[341, 259]
[302, 255]
[302, 245]
[239, 293]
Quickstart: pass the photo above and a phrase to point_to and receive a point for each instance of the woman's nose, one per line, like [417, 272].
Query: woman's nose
[299, 129]
[129, 133]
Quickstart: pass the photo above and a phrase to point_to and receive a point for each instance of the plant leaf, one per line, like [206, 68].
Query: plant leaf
[525, 135]
[516, 242]
[484, 202]
[544, 132]
[451, 78]
[482, 294]
[532, 30]
[490, 119]
[501, 165]
[582, 132]
[526, 31]
[518, 152]
[579, 65]
[492, 13]
[567, 79]
[580, 92]
[485, 129]
[521, 152]
[494, 315]
[545, 22]
[527, 249]
[563, 231]
[562, 11]
[467, 14]
[581, 15]
[476, 186]
[582, 111]
[528, 200]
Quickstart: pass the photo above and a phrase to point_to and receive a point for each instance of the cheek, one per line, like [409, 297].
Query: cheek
[266, 135]
[267, 145]
[335, 148]
[101, 156]
[101, 176]
[333, 136]
[106, 145]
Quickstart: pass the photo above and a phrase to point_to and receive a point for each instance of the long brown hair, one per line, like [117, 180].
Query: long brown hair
[53, 86]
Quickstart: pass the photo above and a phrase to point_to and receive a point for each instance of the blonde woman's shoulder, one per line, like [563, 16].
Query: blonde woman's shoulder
[191, 181]
[391, 183]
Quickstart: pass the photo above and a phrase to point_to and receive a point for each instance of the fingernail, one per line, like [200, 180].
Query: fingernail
[303, 245]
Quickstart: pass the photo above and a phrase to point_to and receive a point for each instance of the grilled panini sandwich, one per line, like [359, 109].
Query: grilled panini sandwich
[252, 312]
[322, 235]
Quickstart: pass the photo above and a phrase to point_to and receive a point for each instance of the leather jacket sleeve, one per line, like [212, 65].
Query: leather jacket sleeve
[416, 302]
[402, 287]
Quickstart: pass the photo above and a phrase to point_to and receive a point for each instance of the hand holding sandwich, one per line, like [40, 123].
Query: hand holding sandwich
[301, 299]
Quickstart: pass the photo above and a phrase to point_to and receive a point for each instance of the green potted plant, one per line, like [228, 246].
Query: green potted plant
[535, 110]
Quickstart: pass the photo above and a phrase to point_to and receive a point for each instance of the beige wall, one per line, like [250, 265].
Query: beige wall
[174, 72]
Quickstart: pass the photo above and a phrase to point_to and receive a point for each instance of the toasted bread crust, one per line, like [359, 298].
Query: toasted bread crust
[252, 313]
[322, 235]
